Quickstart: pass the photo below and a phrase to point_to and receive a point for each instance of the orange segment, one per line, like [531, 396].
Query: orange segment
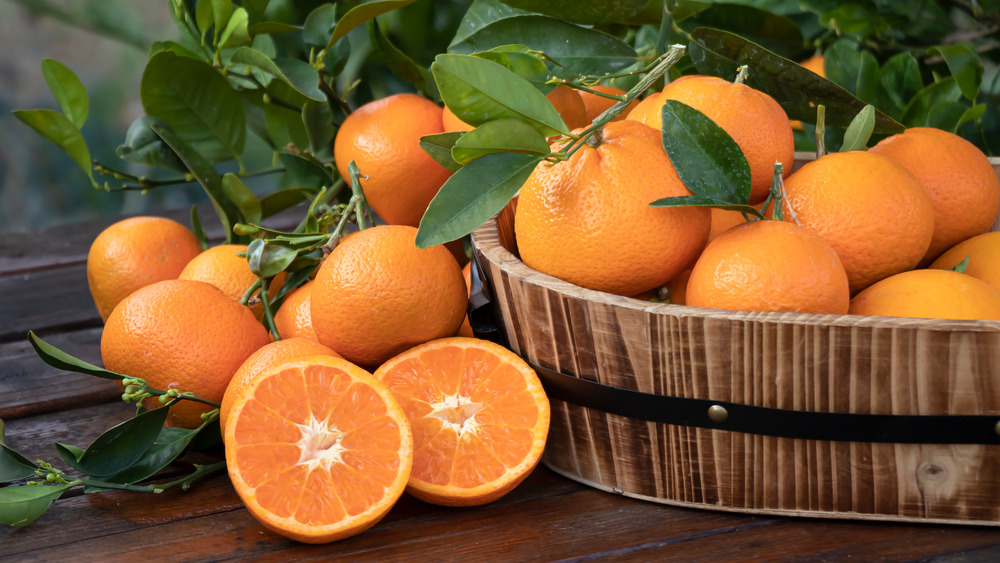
[317, 448]
[479, 417]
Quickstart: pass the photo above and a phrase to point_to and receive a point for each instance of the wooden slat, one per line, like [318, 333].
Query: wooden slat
[44, 301]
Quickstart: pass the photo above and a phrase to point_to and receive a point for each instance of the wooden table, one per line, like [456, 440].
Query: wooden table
[43, 287]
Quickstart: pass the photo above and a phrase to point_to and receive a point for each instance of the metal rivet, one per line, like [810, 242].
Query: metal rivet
[997, 428]
[718, 413]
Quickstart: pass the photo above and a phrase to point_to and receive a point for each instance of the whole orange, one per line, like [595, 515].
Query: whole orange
[587, 220]
[293, 319]
[751, 117]
[223, 267]
[871, 210]
[596, 105]
[958, 178]
[769, 266]
[377, 294]
[383, 139]
[181, 334]
[983, 252]
[263, 358]
[929, 294]
[570, 106]
[133, 253]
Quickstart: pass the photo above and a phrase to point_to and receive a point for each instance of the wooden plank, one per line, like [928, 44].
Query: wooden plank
[45, 301]
[29, 386]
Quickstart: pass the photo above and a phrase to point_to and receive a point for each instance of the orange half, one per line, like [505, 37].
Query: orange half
[479, 416]
[317, 449]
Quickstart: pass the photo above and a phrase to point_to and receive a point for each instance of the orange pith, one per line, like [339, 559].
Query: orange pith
[479, 418]
[318, 449]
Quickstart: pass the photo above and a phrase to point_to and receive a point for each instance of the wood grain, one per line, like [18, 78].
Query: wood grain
[823, 363]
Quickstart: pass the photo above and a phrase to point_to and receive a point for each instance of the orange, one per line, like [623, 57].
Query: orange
[725, 219]
[596, 105]
[677, 288]
[958, 178]
[181, 334]
[383, 139]
[983, 252]
[466, 328]
[929, 294]
[814, 63]
[263, 358]
[769, 266]
[587, 220]
[873, 212]
[752, 118]
[479, 418]
[317, 449]
[570, 106]
[451, 122]
[223, 267]
[134, 253]
[377, 294]
[293, 319]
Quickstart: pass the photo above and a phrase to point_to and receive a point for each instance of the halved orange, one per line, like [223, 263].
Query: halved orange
[479, 416]
[317, 448]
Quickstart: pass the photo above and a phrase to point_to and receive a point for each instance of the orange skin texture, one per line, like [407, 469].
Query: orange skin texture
[752, 118]
[929, 294]
[377, 294]
[587, 220]
[223, 267]
[293, 319]
[181, 334]
[268, 355]
[134, 253]
[983, 252]
[872, 211]
[383, 139]
[769, 266]
[958, 178]
[596, 105]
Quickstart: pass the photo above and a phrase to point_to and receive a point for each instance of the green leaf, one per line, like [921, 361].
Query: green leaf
[318, 25]
[502, 135]
[236, 33]
[579, 50]
[482, 13]
[68, 91]
[682, 10]
[210, 117]
[281, 200]
[267, 259]
[197, 229]
[900, 80]
[944, 90]
[948, 115]
[706, 158]
[57, 129]
[240, 194]
[299, 75]
[304, 171]
[270, 28]
[706, 201]
[439, 146]
[798, 90]
[61, 360]
[317, 118]
[20, 506]
[143, 146]
[593, 12]
[168, 445]
[472, 195]
[120, 446]
[479, 90]
[14, 466]
[362, 13]
[965, 65]
[173, 47]
[517, 59]
[774, 32]
[402, 65]
[859, 131]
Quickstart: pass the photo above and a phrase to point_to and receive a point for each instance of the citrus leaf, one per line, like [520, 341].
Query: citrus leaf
[774, 32]
[14, 466]
[362, 13]
[482, 13]
[798, 90]
[121, 445]
[61, 360]
[174, 47]
[502, 135]
[479, 90]
[57, 129]
[281, 200]
[210, 117]
[706, 201]
[472, 195]
[68, 91]
[168, 445]
[517, 59]
[944, 90]
[402, 65]
[305, 82]
[143, 146]
[319, 25]
[578, 50]
[706, 158]
[439, 146]
[270, 28]
[859, 131]
[965, 65]
[317, 119]
[20, 506]
[267, 259]
[240, 194]
[594, 12]
[236, 32]
[900, 79]
[197, 229]
[305, 172]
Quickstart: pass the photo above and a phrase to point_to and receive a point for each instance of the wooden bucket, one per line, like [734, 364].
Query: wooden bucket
[864, 390]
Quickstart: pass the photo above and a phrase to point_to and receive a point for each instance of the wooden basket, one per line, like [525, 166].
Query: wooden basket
[939, 376]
